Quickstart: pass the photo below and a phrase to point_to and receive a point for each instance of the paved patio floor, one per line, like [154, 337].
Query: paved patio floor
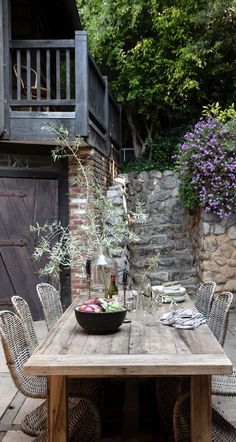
[13, 405]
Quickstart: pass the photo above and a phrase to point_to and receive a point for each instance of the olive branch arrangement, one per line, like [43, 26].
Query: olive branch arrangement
[65, 248]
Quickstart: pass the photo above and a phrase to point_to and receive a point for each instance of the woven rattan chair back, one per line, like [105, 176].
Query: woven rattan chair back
[204, 297]
[51, 303]
[222, 430]
[17, 351]
[21, 308]
[84, 420]
[218, 319]
[168, 389]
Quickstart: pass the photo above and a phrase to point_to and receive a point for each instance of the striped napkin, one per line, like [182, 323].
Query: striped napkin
[183, 318]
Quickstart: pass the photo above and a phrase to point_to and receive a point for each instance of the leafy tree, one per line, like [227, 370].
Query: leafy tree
[165, 59]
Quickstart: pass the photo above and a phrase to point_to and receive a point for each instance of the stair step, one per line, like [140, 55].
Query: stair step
[164, 275]
[165, 262]
[171, 248]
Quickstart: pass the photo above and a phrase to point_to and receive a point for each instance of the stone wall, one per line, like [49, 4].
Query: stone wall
[192, 249]
[214, 242]
[166, 232]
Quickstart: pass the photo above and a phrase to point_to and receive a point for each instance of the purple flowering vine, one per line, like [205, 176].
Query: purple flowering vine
[206, 164]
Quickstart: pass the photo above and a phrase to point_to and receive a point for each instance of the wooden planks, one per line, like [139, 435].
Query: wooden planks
[123, 365]
[22, 203]
[135, 350]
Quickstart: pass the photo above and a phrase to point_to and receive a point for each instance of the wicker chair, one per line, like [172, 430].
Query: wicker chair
[51, 303]
[218, 319]
[224, 385]
[22, 309]
[83, 415]
[52, 308]
[168, 390]
[222, 430]
[204, 298]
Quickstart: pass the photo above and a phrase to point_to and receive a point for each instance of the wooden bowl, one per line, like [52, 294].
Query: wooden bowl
[100, 323]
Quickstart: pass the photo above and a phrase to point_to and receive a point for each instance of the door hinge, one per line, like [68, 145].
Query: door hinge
[13, 242]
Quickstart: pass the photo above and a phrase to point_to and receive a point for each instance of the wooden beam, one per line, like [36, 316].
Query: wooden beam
[81, 83]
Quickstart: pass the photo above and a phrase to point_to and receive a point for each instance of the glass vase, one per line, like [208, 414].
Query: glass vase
[140, 306]
[150, 312]
[102, 267]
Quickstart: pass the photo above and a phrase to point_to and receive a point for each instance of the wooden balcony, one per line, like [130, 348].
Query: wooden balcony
[57, 82]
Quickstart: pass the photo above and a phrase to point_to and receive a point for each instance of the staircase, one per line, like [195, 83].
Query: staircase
[165, 233]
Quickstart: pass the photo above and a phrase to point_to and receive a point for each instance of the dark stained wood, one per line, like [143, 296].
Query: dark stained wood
[42, 43]
[1, 72]
[7, 80]
[9, 193]
[81, 94]
[19, 272]
[81, 85]
[15, 242]
[26, 126]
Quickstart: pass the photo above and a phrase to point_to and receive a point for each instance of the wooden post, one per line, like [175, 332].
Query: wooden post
[1, 72]
[57, 409]
[6, 85]
[201, 410]
[81, 83]
[120, 134]
[106, 114]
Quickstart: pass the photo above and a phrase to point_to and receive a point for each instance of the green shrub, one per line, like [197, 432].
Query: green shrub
[159, 153]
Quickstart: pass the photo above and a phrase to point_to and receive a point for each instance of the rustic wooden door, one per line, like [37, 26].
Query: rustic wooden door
[23, 202]
[1, 72]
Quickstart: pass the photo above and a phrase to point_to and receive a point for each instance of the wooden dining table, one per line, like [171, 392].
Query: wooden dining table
[135, 350]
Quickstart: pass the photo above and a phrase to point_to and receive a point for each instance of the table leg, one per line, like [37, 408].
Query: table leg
[57, 409]
[201, 410]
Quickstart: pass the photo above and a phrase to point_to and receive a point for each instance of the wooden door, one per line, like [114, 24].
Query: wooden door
[1, 72]
[23, 202]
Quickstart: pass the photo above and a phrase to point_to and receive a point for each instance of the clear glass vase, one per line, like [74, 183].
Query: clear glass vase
[102, 267]
[150, 312]
[140, 306]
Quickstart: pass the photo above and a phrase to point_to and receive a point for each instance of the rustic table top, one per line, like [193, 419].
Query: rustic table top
[134, 350]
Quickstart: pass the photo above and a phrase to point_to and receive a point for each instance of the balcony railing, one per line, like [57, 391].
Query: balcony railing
[60, 78]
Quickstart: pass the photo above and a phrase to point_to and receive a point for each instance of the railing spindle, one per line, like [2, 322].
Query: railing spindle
[38, 70]
[58, 74]
[67, 73]
[18, 70]
[48, 73]
[28, 73]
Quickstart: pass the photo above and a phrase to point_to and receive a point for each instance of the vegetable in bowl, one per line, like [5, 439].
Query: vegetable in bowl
[101, 305]
[100, 316]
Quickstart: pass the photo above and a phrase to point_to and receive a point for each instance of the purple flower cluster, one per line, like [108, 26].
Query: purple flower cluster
[207, 162]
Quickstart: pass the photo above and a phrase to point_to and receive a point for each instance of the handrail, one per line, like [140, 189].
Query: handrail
[68, 79]
[33, 44]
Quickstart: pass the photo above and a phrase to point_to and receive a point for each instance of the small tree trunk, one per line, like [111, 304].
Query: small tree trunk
[138, 143]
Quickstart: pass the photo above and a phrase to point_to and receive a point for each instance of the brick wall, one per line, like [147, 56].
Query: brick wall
[105, 170]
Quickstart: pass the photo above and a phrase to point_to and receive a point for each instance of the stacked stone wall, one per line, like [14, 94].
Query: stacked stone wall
[166, 232]
[192, 249]
[214, 242]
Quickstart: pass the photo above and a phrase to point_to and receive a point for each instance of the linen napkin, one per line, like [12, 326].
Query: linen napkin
[183, 318]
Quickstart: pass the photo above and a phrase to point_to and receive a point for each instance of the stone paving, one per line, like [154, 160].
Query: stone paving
[13, 405]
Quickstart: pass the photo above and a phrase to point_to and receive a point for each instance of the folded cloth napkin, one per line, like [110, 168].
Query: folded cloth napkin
[183, 318]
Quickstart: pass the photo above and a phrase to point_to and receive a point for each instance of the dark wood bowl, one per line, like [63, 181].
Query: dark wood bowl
[100, 323]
